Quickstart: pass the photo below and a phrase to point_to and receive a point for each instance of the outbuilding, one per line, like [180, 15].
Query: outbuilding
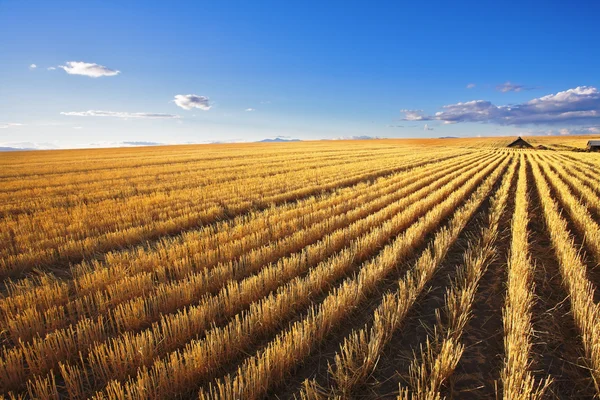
[593, 145]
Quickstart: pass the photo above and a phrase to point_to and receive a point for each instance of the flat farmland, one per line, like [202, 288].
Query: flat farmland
[408, 269]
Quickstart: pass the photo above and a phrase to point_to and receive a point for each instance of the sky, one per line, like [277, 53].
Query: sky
[103, 73]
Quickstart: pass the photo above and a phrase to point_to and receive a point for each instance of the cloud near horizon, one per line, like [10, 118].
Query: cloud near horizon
[92, 70]
[580, 105]
[10, 124]
[189, 101]
[118, 114]
[586, 130]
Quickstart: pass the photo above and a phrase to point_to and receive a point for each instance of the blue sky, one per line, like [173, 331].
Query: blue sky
[305, 70]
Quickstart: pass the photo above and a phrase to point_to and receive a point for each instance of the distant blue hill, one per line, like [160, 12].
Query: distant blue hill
[143, 143]
[278, 140]
[14, 149]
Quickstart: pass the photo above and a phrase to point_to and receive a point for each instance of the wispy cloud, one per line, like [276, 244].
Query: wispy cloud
[32, 66]
[427, 128]
[512, 87]
[92, 70]
[51, 68]
[577, 106]
[471, 86]
[189, 101]
[118, 114]
[364, 137]
[250, 109]
[10, 125]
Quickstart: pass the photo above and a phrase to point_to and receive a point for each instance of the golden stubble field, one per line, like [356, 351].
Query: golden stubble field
[409, 269]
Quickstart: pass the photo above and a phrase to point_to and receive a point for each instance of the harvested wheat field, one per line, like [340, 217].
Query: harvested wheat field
[409, 269]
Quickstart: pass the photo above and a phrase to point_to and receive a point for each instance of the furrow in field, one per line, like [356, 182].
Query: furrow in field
[42, 350]
[99, 226]
[441, 353]
[518, 382]
[56, 200]
[556, 350]
[583, 173]
[577, 211]
[160, 277]
[136, 160]
[218, 233]
[152, 227]
[360, 353]
[270, 365]
[147, 178]
[578, 186]
[573, 271]
[581, 224]
[198, 348]
[151, 344]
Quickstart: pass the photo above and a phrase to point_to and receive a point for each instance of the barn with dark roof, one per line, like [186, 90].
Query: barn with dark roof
[520, 144]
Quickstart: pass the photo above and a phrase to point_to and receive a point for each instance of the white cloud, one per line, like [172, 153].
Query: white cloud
[118, 114]
[414, 115]
[512, 87]
[580, 105]
[427, 128]
[88, 69]
[32, 66]
[10, 125]
[51, 68]
[250, 109]
[471, 86]
[189, 101]
[78, 127]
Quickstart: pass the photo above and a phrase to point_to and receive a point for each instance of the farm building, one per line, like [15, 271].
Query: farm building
[520, 144]
[593, 145]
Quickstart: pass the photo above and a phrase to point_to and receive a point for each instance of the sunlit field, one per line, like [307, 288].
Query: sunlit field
[409, 269]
